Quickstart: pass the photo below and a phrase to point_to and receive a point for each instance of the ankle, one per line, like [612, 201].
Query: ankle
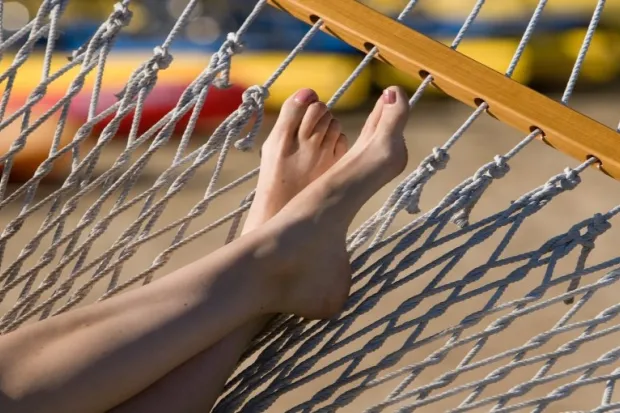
[273, 260]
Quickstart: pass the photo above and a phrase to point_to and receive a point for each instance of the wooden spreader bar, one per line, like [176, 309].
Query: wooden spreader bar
[463, 78]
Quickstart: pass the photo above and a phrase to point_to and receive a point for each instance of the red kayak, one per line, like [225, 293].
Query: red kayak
[38, 144]
[163, 98]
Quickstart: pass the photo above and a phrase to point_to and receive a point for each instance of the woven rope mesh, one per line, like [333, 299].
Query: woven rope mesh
[488, 288]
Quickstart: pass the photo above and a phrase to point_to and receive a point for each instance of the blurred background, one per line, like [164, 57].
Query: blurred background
[492, 40]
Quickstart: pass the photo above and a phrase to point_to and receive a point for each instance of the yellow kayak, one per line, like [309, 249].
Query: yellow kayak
[118, 70]
[556, 54]
[323, 72]
[581, 8]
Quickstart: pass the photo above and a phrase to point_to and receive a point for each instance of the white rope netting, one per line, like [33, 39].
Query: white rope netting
[383, 352]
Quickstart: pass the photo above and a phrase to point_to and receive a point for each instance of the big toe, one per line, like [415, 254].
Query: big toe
[394, 114]
[373, 119]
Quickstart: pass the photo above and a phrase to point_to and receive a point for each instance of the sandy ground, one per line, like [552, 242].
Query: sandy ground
[431, 124]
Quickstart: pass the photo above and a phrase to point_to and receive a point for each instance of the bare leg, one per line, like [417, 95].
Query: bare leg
[93, 358]
[305, 142]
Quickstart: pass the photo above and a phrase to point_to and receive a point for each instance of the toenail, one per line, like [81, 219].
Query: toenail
[389, 96]
[306, 96]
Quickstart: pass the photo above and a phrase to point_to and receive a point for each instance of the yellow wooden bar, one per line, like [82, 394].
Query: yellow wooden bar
[463, 78]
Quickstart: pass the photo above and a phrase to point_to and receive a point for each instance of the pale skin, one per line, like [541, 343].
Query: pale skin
[178, 339]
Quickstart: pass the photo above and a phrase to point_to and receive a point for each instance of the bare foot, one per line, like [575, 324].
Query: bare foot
[304, 143]
[311, 229]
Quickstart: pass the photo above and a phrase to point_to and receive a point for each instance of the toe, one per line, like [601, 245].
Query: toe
[315, 113]
[395, 112]
[319, 134]
[294, 109]
[342, 146]
[332, 134]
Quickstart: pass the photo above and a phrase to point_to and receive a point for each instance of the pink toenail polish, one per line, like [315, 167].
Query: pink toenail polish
[306, 96]
[389, 96]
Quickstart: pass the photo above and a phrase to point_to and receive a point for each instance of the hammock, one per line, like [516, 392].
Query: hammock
[530, 325]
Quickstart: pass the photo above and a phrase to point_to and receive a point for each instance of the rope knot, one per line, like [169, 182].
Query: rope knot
[598, 225]
[570, 179]
[120, 17]
[575, 235]
[161, 59]
[439, 159]
[232, 45]
[496, 169]
[255, 96]
[499, 168]
[252, 103]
